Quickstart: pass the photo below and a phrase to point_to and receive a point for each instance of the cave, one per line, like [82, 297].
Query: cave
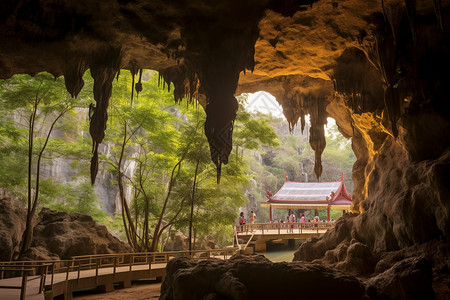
[380, 68]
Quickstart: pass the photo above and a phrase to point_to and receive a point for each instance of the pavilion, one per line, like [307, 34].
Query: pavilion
[309, 195]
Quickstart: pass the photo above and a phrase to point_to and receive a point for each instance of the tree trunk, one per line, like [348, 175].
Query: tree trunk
[158, 230]
[28, 233]
[192, 205]
[27, 236]
[127, 220]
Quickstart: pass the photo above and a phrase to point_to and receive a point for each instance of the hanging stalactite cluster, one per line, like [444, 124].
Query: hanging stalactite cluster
[103, 70]
[185, 83]
[201, 49]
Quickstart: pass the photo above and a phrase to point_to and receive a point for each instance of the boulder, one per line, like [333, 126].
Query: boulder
[256, 277]
[12, 226]
[180, 242]
[39, 253]
[315, 248]
[359, 260]
[205, 243]
[59, 234]
[408, 279]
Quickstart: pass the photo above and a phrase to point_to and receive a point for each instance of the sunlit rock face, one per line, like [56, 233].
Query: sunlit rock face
[379, 68]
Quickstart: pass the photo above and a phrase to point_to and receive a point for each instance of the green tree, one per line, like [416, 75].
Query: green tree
[40, 123]
[172, 178]
[213, 207]
[143, 156]
[35, 100]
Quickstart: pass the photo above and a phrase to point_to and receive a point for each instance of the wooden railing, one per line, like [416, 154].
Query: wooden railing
[28, 271]
[42, 269]
[283, 228]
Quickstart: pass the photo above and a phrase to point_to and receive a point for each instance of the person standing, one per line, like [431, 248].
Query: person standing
[241, 219]
[292, 218]
[252, 217]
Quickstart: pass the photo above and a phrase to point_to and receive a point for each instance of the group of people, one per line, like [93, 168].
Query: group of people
[289, 219]
[242, 220]
[301, 219]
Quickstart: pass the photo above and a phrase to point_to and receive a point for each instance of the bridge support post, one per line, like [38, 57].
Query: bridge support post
[107, 287]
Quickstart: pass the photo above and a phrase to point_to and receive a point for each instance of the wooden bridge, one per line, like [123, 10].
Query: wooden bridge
[261, 232]
[39, 280]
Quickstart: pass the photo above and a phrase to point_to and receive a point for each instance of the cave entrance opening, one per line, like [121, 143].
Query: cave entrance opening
[294, 158]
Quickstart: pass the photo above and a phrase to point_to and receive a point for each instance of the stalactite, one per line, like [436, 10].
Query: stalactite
[73, 76]
[138, 85]
[438, 12]
[317, 133]
[104, 68]
[132, 85]
[393, 13]
[410, 12]
[302, 112]
[386, 55]
[186, 83]
[294, 114]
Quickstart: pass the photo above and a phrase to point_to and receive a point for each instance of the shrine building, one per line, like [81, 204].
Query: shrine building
[309, 195]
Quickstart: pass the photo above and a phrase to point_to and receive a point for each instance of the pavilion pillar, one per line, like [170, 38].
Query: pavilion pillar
[289, 213]
[328, 213]
[270, 213]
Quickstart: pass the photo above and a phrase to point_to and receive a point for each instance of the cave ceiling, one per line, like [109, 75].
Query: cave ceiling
[315, 57]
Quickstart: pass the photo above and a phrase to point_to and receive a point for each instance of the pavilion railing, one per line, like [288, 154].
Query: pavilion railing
[283, 228]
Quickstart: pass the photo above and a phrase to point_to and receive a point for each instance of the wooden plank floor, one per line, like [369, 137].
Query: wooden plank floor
[87, 277]
[14, 294]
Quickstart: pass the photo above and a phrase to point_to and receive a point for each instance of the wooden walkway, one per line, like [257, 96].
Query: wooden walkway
[49, 279]
[282, 230]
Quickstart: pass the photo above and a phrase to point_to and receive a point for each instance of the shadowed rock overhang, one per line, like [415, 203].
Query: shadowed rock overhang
[379, 68]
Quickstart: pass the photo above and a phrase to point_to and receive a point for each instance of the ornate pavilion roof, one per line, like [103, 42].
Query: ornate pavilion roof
[310, 195]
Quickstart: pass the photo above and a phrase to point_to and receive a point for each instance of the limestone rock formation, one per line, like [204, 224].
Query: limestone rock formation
[180, 242]
[408, 279]
[255, 277]
[61, 235]
[416, 272]
[57, 235]
[10, 229]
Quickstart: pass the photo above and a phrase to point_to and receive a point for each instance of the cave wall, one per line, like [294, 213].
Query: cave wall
[391, 98]
[387, 90]
[400, 120]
